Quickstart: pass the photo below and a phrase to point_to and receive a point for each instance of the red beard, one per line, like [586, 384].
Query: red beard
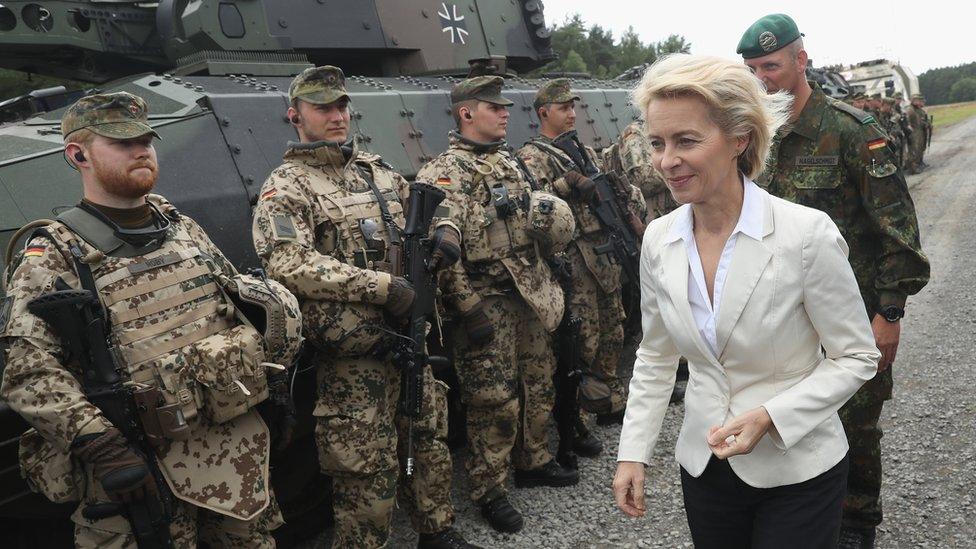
[129, 181]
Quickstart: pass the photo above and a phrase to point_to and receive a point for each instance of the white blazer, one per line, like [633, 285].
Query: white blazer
[792, 333]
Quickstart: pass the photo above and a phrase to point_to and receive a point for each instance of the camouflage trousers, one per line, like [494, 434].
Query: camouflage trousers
[862, 505]
[601, 341]
[191, 524]
[506, 385]
[361, 439]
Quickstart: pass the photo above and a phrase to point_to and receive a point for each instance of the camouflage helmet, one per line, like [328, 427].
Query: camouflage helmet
[119, 115]
[273, 311]
[319, 85]
[551, 221]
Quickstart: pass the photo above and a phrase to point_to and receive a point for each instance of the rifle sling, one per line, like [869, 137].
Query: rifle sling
[391, 226]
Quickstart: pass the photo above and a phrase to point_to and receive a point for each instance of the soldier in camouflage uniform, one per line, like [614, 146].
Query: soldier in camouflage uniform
[322, 227]
[629, 158]
[889, 117]
[918, 120]
[595, 286]
[508, 302]
[835, 158]
[167, 290]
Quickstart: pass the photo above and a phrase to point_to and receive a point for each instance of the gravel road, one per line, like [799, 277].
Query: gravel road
[930, 426]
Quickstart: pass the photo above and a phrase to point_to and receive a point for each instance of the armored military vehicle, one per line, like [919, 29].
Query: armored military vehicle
[882, 77]
[215, 75]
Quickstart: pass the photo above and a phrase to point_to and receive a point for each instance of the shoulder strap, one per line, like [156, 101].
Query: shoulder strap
[91, 229]
[861, 116]
[367, 172]
[552, 151]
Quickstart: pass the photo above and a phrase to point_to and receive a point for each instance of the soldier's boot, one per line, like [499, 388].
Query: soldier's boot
[856, 538]
[501, 515]
[585, 444]
[612, 418]
[448, 538]
[550, 474]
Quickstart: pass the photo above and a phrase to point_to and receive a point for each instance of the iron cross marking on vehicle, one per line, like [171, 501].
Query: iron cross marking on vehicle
[453, 23]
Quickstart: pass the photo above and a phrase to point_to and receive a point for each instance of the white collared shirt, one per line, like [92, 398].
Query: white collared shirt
[750, 224]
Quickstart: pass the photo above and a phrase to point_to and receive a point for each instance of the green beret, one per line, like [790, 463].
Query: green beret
[771, 33]
[554, 91]
[119, 115]
[482, 88]
[319, 85]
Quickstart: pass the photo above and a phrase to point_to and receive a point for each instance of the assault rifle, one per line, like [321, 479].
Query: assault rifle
[566, 410]
[410, 352]
[622, 242]
[80, 321]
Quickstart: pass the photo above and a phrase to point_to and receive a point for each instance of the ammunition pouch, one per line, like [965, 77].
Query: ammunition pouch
[231, 372]
[54, 474]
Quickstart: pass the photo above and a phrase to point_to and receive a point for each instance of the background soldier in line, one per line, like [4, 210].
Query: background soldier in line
[629, 158]
[508, 302]
[167, 290]
[891, 120]
[595, 289]
[918, 119]
[835, 158]
[321, 228]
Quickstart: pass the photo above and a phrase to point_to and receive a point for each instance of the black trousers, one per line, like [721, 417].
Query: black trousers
[726, 513]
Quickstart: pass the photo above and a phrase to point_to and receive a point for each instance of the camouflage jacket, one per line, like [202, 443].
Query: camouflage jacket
[319, 230]
[630, 157]
[548, 166]
[835, 158]
[171, 328]
[497, 253]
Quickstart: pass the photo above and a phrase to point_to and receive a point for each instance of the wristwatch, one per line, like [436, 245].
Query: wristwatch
[892, 313]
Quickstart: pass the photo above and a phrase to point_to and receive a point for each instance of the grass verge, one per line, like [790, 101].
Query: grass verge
[945, 115]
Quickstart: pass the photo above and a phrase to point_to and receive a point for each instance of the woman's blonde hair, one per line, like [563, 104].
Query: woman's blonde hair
[737, 100]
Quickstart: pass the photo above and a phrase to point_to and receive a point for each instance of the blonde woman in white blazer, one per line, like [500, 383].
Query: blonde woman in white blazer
[758, 295]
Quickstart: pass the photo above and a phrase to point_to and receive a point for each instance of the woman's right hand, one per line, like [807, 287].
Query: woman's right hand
[628, 488]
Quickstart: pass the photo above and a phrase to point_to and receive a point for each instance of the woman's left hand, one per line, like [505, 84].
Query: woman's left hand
[740, 435]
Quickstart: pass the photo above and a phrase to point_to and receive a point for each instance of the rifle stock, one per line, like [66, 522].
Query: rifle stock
[79, 320]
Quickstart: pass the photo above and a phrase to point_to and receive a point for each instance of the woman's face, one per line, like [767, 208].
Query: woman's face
[692, 153]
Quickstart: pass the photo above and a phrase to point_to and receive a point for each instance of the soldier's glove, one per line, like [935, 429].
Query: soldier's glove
[123, 474]
[585, 187]
[400, 297]
[284, 420]
[446, 246]
[479, 329]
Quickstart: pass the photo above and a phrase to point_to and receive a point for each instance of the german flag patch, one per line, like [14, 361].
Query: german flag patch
[34, 251]
[443, 180]
[876, 144]
[269, 194]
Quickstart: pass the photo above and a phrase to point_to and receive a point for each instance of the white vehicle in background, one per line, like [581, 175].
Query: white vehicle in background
[882, 77]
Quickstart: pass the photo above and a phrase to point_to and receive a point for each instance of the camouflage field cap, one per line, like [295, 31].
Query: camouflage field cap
[119, 115]
[917, 96]
[769, 34]
[554, 91]
[482, 88]
[319, 85]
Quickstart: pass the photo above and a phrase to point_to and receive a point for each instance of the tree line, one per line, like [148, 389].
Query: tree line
[593, 49]
[949, 84]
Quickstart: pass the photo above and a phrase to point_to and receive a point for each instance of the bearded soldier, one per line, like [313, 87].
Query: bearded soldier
[507, 300]
[595, 288]
[171, 311]
[835, 158]
[323, 227]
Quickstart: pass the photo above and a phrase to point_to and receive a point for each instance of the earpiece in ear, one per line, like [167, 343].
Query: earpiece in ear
[80, 156]
[467, 115]
[295, 119]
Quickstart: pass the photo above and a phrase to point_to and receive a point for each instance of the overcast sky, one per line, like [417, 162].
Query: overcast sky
[931, 35]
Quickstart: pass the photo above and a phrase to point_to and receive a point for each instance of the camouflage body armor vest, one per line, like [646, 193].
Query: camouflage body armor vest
[355, 233]
[590, 233]
[174, 328]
